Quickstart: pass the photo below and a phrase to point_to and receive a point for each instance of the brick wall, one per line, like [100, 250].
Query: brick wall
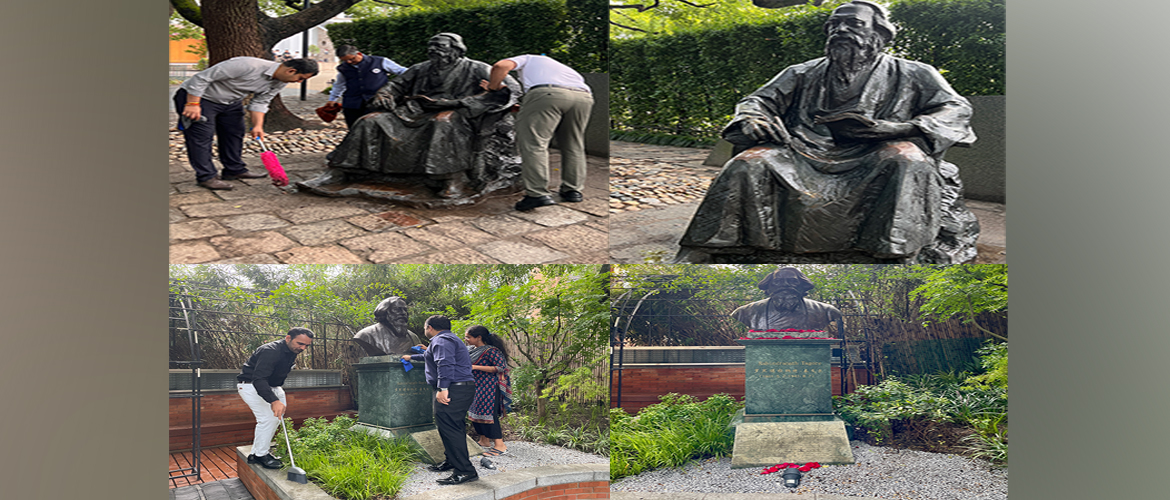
[567, 491]
[227, 420]
[642, 385]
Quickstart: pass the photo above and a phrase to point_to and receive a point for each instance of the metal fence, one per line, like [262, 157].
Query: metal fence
[700, 316]
[182, 71]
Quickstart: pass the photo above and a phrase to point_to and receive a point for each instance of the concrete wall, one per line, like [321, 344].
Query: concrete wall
[983, 165]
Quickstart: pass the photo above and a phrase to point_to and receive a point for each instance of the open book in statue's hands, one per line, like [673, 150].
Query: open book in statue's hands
[848, 119]
[843, 125]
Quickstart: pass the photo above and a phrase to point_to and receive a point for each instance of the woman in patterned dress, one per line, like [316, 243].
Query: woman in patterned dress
[489, 366]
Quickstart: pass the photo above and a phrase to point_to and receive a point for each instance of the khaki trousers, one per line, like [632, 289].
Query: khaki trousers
[545, 113]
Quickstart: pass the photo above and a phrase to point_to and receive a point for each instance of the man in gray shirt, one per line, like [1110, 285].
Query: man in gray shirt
[210, 102]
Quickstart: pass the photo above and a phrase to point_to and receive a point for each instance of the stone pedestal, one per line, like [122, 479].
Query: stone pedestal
[393, 402]
[788, 414]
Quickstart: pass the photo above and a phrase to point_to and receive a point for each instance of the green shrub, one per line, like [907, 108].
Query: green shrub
[348, 464]
[670, 433]
[490, 32]
[687, 84]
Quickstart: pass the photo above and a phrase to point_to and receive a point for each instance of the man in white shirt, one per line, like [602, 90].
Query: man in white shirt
[557, 102]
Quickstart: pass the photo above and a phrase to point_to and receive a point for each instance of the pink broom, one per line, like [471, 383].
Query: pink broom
[275, 171]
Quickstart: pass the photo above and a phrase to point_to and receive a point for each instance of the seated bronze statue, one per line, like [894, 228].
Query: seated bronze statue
[840, 159]
[435, 129]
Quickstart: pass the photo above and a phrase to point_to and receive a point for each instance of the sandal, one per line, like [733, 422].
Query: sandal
[493, 452]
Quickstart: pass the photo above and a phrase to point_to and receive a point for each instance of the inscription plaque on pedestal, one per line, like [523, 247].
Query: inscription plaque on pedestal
[393, 402]
[787, 379]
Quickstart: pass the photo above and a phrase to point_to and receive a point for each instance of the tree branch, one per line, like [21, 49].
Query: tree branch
[611, 21]
[276, 29]
[189, 10]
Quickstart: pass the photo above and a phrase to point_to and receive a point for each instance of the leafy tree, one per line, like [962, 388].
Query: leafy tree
[556, 317]
[965, 291]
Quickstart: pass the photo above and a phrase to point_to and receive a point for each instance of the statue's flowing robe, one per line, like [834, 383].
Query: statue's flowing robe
[821, 194]
[411, 139]
[809, 315]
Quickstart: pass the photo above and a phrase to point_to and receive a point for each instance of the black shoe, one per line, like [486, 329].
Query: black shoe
[267, 461]
[245, 175]
[531, 202]
[458, 478]
[441, 467]
[214, 183]
[571, 196]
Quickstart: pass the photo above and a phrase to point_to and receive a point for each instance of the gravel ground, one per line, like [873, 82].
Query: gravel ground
[878, 472]
[639, 184]
[521, 455]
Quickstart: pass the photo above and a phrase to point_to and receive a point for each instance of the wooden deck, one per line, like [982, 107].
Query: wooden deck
[217, 463]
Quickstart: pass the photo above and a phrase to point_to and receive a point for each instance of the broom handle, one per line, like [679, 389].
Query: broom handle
[286, 443]
[262, 146]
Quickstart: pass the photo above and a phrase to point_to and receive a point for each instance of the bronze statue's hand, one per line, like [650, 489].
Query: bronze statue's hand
[382, 101]
[761, 129]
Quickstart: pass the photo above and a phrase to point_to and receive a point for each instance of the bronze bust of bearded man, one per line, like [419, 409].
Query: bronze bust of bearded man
[389, 335]
[786, 308]
[840, 159]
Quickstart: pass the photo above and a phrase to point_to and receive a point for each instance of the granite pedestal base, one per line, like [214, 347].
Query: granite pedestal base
[763, 444]
[393, 402]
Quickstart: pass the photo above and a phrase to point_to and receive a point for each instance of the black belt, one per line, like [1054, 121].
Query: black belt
[575, 89]
[459, 383]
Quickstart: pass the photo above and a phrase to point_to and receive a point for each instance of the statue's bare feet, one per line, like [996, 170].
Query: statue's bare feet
[456, 188]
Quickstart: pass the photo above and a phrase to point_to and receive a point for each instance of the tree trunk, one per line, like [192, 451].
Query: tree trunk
[233, 29]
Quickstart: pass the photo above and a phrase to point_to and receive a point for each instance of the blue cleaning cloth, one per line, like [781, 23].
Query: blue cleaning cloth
[406, 365]
[416, 349]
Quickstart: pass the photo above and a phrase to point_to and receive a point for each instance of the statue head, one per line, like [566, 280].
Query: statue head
[391, 313]
[445, 48]
[786, 285]
[857, 32]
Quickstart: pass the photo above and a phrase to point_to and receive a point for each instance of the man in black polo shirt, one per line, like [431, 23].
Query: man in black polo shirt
[448, 370]
[259, 384]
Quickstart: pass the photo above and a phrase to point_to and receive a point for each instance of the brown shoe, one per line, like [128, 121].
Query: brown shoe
[245, 175]
[216, 184]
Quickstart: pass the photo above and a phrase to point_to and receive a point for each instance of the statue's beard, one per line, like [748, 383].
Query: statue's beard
[443, 59]
[787, 300]
[851, 54]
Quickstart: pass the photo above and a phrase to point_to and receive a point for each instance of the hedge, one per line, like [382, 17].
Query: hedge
[688, 83]
[572, 32]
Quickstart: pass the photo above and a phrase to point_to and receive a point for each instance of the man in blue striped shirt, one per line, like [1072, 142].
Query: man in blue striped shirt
[448, 370]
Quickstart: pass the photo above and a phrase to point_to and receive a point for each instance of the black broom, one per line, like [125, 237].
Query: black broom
[295, 474]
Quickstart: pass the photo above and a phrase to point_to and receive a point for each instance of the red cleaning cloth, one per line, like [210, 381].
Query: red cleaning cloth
[275, 171]
[328, 112]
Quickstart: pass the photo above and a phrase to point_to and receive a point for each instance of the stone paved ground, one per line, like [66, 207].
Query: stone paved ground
[259, 223]
[654, 191]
